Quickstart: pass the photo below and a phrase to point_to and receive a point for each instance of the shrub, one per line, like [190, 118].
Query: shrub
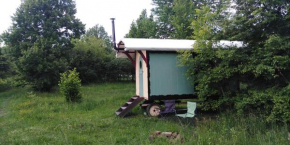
[89, 57]
[40, 67]
[253, 79]
[96, 63]
[69, 86]
[4, 64]
[4, 85]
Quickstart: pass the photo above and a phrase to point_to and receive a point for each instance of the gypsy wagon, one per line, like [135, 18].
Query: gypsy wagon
[158, 76]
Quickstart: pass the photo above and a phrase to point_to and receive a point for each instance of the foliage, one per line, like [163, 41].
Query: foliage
[45, 118]
[174, 17]
[271, 103]
[4, 84]
[255, 21]
[4, 63]
[183, 16]
[95, 64]
[212, 70]
[69, 86]
[99, 32]
[144, 27]
[90, 58]
[266, 31]
[39, 39]
[41, 65]
[251, 79]
[120, 69]
[163, 10]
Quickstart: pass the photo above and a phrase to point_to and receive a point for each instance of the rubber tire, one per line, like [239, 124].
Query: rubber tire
[153, 110]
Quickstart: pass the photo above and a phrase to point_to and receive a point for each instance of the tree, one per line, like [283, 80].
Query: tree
[163, 10]
[174, 17]
[182, 18]
[40, 39]
[99, 32]
[264, 26]
[143, 27]
[4, 64]
[250, 79]
[90, 58]
[212, 70]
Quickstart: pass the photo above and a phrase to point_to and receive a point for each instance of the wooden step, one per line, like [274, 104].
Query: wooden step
[117, 113]
[128, 106]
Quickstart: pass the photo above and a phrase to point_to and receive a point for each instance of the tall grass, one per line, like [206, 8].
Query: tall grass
[45, 118]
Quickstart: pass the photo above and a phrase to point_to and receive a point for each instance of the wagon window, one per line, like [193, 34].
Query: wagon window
[140, 64]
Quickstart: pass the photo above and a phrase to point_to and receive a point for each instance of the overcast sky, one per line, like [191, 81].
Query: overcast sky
[91, 12]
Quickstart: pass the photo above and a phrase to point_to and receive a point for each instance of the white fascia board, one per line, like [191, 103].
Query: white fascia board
[171, 44]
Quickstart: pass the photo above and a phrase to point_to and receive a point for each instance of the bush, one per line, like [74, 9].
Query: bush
[4, 85]
[96, 63]
[89, 57]
[119, 69]
[41, 65]
[252, 79]
[69, 86]
[4, 64]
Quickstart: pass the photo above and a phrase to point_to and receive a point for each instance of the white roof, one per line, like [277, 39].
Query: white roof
[167, 44]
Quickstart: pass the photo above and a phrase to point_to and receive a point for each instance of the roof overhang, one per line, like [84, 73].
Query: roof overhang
[133, 44]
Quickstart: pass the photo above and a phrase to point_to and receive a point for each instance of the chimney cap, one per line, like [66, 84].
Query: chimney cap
[112, 18]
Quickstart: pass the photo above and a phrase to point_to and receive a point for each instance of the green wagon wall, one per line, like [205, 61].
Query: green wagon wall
[166, 78]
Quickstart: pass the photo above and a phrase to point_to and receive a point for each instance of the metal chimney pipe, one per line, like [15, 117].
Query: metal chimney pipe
[113, 31]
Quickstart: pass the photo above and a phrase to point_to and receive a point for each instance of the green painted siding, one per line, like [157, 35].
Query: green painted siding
[166, 78]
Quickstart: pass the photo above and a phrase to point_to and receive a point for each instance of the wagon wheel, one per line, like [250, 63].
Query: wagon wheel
[153, 110]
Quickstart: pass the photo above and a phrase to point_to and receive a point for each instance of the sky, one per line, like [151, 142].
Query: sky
[91, 12]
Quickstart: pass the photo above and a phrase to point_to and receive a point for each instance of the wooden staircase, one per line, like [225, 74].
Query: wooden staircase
[129, 105]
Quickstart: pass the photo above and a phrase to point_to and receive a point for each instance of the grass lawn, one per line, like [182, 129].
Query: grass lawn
[27, 117]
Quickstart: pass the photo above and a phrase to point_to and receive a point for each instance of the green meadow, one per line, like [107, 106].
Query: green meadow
[28, 117]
